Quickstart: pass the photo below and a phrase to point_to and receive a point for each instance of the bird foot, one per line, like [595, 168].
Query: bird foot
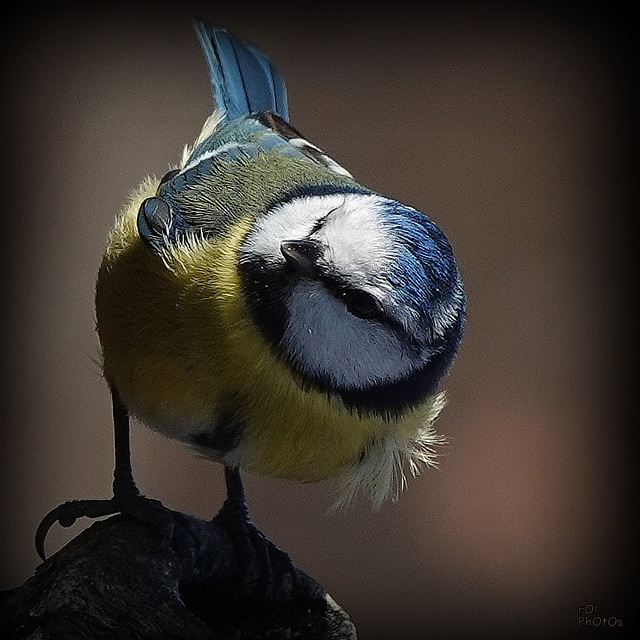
[265, 572]
[135, 505]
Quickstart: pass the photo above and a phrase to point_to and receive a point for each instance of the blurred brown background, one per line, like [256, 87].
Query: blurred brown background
[510, 127]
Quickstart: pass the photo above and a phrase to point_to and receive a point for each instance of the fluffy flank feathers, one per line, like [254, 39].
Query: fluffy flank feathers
[380, 475]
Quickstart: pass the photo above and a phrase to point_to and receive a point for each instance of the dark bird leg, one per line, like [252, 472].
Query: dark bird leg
[264, 571]
[126, 499]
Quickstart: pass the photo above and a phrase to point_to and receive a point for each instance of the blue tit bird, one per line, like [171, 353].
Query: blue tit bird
[260, 305]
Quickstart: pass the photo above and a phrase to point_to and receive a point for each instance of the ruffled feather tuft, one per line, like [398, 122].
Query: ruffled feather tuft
[381, 473]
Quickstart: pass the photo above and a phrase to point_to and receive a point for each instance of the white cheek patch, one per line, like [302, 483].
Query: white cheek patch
[325, 340]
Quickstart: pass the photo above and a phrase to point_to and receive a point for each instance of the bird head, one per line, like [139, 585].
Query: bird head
[359, 294]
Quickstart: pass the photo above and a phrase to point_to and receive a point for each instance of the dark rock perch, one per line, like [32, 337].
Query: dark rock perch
[123, 579]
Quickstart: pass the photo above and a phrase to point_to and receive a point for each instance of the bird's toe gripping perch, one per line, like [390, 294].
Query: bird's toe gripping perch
[137, 506]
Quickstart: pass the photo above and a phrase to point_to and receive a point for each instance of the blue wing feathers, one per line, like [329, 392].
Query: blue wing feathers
[244, 80]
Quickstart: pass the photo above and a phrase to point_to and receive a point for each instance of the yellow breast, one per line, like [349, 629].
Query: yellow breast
[179, 345]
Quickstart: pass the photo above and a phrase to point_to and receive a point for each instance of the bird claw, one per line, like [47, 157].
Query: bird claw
[67, 513]
[135, 505]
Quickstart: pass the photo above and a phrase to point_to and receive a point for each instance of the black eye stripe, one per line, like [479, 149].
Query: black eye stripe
[361, 304]
[343, 292]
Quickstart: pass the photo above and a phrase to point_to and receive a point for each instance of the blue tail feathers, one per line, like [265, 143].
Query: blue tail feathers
[244, 80]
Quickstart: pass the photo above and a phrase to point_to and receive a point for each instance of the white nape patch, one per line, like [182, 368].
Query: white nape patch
[212, 153]
[380, 476]
[357, 245]
[208, 128]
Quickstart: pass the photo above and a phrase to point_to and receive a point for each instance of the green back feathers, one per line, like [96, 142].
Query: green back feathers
[237, 171]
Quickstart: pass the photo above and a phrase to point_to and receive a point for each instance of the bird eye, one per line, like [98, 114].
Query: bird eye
[361, 304]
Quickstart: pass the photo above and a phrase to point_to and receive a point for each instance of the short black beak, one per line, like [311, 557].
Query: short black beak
[302, 255]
